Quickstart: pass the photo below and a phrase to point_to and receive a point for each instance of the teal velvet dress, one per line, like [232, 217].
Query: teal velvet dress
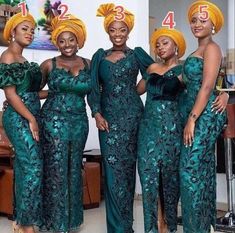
[64, 134]
[197, 163]
[159, 143]
[26, 77]
[114, 96]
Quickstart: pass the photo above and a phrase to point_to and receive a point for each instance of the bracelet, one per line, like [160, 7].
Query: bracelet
[193, 116]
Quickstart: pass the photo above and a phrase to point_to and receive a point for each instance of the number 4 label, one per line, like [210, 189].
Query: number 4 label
[169, 20]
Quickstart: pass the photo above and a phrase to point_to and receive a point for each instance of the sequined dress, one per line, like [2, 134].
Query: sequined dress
[114, 95]
[197, 163]
[159, 143]
[26, 77]
[64, 134]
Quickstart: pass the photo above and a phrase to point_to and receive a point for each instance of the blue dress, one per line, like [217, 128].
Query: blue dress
[159, 143]
[26, 77]
[114, 95]
[64, 134]
[197, 163]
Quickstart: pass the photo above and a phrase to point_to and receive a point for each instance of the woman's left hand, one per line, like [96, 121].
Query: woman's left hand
[220, 103]
[189, 132]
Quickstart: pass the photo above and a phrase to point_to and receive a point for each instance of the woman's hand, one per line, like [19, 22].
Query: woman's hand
[33, 125]
[101, 123]
[220, 103]
[189, 132]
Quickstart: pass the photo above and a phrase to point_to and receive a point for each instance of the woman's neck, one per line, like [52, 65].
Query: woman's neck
[16, 48]
[204, 41]
[70, 58]
[122, 48]
[171, 62]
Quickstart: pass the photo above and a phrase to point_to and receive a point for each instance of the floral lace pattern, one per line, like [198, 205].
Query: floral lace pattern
[159, 142]
[197, 163]
[28, 158]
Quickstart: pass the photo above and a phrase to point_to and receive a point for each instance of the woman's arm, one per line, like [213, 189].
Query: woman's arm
[141, 87]
[212, 60]
[15, 101]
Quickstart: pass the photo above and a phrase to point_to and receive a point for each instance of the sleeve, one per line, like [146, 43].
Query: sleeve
[11, 75]
[94, 96]
[144, 61]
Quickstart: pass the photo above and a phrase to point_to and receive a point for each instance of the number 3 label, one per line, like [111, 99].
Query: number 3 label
[204, 15]
[120, 13]
[169, 20]
[23, 7]
[64, 8]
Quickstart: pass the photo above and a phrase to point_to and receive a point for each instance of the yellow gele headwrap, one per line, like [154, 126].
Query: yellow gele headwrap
[174, 34]
[13, 22]
[72, 24]
[215, 14]
[109, 13]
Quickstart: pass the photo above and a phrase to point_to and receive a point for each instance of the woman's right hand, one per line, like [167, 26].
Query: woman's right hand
[101, 123]
[33, 125]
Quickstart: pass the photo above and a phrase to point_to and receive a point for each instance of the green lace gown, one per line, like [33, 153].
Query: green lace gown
[64, 134]
[197, 163]
[159, 143]
[114, 96]
[26, 77]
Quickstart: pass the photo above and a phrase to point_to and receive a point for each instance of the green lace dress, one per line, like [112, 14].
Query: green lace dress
[159, 143]
[197, 163]
[64, 134]
[114, 96]
[26, 77]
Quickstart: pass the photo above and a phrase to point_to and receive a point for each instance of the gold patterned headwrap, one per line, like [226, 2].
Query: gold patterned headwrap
[110, 12]
[174, 34]
[215, 14]
[13, 22]
[72, 24]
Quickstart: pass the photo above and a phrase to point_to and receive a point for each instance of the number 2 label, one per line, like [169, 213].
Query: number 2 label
[64, 8]
[169, 20]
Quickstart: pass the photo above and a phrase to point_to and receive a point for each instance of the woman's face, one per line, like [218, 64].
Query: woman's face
[199, 27]
[118, 33]
[24, 33]
[165, 47]
[67, 44]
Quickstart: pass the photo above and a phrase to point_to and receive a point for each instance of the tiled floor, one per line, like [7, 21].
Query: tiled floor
[94, 221]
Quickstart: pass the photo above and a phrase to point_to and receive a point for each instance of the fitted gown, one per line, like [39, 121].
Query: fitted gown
[64, 134]
[159, 143]
[197, 163]
[26, 77]
[114, 95]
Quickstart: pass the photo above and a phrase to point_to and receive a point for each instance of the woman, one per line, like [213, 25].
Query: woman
[117, 109]
[197, 162]
[160, 133]
[21, 81]
[64, 127]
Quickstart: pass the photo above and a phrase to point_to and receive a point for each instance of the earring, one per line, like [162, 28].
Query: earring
[213, 30]
[13, 38]
[176, 51]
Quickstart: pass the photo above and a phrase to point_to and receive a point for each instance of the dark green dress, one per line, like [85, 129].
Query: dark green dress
[159, 143]
[26, 77]
[114, 96]
[64, 134]
[197, 163]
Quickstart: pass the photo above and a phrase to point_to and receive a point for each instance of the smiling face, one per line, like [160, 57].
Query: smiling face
[165, 47]
[67, 44]
[199, 27]
[118, 33]
[24, 33]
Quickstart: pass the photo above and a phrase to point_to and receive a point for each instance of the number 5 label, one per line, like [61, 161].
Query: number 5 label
[169, 20]
[204, 15]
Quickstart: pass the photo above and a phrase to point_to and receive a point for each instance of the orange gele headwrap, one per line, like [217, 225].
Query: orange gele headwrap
[110, 12]
[215, 14]
[174, 34]
[72, 24]
[13, 22]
